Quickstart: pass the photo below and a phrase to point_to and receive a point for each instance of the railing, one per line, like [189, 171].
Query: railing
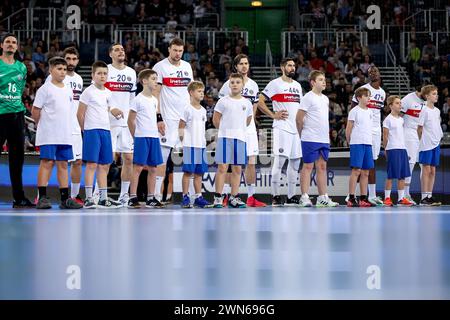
[16, 18]
[311, 20]
[421, 39]
[390, 54]
[430, 20]
[295, 40]
[46, 35]
[211, 20]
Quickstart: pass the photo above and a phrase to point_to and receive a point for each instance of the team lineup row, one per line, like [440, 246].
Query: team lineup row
[144, 129]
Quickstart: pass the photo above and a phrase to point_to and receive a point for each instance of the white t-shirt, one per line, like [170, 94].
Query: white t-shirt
[284, 96]
[145, 108]
[316, 126]
[174, 80]
[376, 104]
[194, 133]
[98, 103]
[55, 124]
[362, 120]
[250, 91]
[430, 120]
[233, 124]
[75, 83]
[396, 136]
[411, 107]
[122, 84]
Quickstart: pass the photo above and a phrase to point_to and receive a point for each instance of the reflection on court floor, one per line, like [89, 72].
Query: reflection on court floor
[270, 253]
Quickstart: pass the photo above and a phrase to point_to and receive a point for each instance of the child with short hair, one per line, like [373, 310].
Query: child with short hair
[52, 114]
[313, 127]
[93, 117]
[232, 115]
[192, 134]
[360, 140]
[430, 135]
[142, 122]
[396, 154]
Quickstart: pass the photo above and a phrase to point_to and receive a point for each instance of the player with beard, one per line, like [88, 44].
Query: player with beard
[376, 104]
[285, 94]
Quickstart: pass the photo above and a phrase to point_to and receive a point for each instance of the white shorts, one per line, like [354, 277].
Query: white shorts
[121, 140]
[170, 139]
[251, 141]
[286, 144]
[376, 144]
[77, 147]
[412, 144]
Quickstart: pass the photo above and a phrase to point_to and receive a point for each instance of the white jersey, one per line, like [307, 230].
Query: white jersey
[316, 126]
[362, 119]
[396, 136]
[174, 95]
[285, 96]
[122, 84]
[75, 83]
[98, 103]
[233, 124]
[430, 120]
[56, 106]
[411, 107]
[145, 108]
[376, 104]
[250, 91]
[194, 132]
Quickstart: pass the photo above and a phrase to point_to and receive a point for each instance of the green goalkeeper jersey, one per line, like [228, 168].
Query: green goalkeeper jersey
[12, 84]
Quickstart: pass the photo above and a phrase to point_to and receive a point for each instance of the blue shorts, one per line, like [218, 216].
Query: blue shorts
[97, 146]
[147, 152]
[58, 152]
[430, 157]
[313, 150]
[194, 160]
[397, 164]
[361, 156]
[231, 151]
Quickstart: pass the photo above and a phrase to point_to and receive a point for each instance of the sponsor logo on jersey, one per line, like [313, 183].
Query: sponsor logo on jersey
[286, 97]
[375, 104]
[176, 82]
[413, 113]
[119, 86]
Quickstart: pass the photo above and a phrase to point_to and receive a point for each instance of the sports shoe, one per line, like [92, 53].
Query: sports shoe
[124, 200]
[325, 201]
[133, 203]
[293, 202]
[89, 204]
[225, 199]
[408, 197]
[434, 202]
[364, 203]
[253, 202]
[44, 203]
[70, 203]
[109, 204]
[305, 201]
[96, 197]
[426, 201]
[236, 202]
[79, 199]
[388, 202]
[277, 201]
[404, 202]
[201, 202]
[23, 203]
[376, 201]
[186, 202]
[168, 201]
[218, 201]
[351, 202]
[154, 203]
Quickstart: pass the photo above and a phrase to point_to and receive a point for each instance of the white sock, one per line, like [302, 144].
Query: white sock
[150, 196]
[226, 188]
[88, 190]
[429, 194]
[401, 194]
[168, 196]
[191, 186]
[424, 195]
[96, 189]
[198, 195]
[250, 190]
[372, 191]
[124, 186]
[74, 189]
[103, 192]
[158, 184]
[387, 194]
[291, 189]
[407, 190]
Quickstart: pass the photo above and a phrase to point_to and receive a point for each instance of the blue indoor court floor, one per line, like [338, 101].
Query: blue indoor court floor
[268, 253]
